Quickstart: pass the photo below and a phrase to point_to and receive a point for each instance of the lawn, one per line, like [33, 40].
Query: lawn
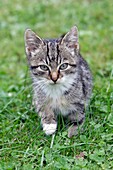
[23, 145]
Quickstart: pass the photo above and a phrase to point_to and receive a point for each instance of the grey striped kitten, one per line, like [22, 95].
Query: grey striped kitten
[62, 81]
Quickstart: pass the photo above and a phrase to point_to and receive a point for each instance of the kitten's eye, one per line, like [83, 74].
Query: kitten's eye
[44, 67]
[63, 66]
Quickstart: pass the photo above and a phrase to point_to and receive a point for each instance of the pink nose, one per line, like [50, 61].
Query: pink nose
[54, 76]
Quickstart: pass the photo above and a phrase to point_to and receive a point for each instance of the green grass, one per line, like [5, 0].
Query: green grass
[23, 145]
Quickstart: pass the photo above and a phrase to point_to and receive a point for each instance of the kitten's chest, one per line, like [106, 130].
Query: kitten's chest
[59, 103]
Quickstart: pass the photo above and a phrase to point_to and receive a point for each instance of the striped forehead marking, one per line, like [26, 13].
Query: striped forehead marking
[52, 51]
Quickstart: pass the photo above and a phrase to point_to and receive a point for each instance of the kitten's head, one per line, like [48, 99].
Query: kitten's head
[54, 60]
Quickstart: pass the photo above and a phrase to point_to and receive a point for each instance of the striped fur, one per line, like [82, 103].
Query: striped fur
[62, 81]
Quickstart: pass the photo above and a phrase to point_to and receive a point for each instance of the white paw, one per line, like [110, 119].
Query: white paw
[49, 129]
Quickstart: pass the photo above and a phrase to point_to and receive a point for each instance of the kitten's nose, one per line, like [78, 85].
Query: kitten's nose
[54, 76]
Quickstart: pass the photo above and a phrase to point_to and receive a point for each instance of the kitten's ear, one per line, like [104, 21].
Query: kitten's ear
[32, 41]
[70, 40]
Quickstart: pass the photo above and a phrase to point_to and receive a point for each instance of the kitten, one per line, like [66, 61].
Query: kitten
[62, 81]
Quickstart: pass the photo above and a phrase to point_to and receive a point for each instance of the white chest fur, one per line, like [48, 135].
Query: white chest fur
[60, 104]
[55, 93]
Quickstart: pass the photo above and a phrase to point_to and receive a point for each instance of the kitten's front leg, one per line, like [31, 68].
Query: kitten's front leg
[48, 121]
[76, 121]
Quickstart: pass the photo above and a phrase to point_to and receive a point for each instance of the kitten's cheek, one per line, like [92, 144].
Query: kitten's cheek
[48, 78]
[60, 76]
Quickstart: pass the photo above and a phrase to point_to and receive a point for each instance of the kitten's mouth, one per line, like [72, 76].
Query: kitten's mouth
[53, 83]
